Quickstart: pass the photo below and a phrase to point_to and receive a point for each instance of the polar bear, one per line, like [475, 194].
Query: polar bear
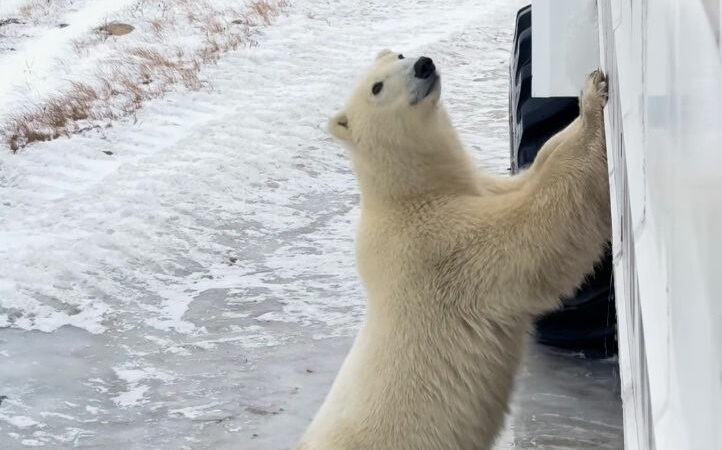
[456, 263]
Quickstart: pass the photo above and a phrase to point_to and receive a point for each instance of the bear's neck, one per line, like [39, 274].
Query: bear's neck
[437, 166]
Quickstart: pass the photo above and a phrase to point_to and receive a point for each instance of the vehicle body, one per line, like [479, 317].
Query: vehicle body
[664, 143]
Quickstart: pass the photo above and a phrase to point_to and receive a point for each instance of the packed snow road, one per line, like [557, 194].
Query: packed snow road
[185, 279]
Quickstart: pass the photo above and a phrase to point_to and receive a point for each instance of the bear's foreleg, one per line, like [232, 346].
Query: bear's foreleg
[552, 231]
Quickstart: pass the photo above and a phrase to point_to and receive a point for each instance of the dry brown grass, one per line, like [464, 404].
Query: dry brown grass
[141, 73]
[83, 46]
[122, 96]
[265, 10]
[157, 26]
[51, 120]
[26, 11]
[38, 11]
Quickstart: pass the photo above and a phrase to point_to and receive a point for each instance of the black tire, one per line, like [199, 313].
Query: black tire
[586, 323]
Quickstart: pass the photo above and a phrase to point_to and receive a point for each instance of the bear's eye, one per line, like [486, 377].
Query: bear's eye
[377, 88]
[401, 56]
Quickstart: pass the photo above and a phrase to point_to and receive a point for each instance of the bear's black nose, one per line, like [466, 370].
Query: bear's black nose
[424, 67]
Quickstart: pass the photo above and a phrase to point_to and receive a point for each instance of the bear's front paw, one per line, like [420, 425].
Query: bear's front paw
[594, 95]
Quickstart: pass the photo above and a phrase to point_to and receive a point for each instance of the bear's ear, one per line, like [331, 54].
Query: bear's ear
[383, 53]
[339, 127]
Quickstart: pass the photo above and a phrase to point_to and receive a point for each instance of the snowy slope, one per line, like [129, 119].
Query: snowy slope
[42, 58]
[151, 269]
[73, 65]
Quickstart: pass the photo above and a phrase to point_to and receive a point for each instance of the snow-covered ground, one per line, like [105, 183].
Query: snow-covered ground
[185, 279]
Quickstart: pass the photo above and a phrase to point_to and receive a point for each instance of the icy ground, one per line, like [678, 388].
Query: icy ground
[185, 280]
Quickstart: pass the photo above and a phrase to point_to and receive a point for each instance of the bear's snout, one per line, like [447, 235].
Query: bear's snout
[424, 67]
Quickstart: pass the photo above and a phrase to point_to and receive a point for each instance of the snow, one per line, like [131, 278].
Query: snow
[38, 61]
[135, 390]
[185, 278]
[19, 421]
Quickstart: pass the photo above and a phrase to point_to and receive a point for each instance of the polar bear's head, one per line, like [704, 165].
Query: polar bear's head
[401, 140]
[398, 95]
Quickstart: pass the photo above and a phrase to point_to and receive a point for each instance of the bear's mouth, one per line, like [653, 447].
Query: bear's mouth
[432, 85]
[425, 88]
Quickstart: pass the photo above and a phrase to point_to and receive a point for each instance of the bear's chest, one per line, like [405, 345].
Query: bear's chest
[383, 252]
[396, 253]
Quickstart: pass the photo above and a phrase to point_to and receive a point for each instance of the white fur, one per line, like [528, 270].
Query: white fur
[456, 262]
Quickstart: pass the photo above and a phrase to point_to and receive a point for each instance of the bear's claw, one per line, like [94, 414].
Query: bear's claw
[595, 94]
